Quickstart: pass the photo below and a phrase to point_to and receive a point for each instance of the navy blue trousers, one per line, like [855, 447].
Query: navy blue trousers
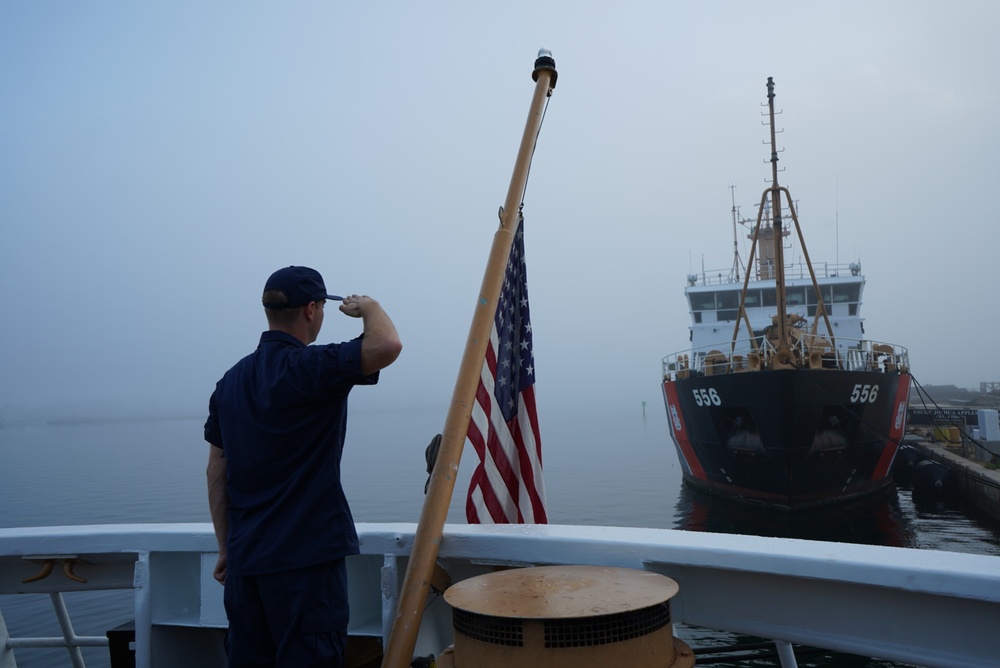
[294, 619]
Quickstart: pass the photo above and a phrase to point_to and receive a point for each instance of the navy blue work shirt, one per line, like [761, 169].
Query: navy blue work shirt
[280, 416]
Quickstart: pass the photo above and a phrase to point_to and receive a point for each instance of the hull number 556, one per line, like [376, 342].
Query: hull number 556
[864, 394]
[708, 397]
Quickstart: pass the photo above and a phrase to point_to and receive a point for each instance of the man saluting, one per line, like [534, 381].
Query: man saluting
[276, 428]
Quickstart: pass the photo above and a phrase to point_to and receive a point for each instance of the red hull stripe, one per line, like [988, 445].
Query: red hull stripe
[679, 432]
[896, 432]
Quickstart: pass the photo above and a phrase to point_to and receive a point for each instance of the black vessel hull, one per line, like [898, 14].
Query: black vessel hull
[788, 438]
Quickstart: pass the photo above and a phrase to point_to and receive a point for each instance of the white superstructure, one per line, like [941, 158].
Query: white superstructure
[713, 299]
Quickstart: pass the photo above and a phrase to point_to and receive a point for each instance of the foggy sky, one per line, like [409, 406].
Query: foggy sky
[159, 160]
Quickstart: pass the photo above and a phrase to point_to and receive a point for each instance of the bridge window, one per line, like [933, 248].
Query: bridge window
[850, 293]
[811, 295]
[728, 299]
[795, 296]
[825, 289]
[703, 301]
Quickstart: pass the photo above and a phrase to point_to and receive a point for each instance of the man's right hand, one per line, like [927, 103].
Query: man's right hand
[220, 569]
[381, 345]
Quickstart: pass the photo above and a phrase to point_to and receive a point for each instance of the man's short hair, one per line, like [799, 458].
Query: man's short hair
[277, 309]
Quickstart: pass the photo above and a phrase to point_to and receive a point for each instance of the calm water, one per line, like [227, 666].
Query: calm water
[616, 467]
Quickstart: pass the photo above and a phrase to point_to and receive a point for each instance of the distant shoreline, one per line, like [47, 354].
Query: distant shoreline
[103, 419]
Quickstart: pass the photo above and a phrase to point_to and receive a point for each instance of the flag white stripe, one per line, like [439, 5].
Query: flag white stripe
[496, 481]
[528, 428]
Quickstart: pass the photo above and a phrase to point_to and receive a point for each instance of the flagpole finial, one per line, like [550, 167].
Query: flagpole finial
[545, 62]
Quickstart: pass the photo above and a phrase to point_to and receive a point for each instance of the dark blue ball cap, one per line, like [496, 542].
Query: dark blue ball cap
[300, 285]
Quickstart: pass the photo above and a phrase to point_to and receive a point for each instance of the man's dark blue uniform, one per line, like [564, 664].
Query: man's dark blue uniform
[278, 420]
[280, 416]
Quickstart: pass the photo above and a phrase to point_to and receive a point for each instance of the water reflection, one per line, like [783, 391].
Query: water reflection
[876, 520]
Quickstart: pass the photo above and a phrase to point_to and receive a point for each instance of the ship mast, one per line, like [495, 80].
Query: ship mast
[734, 273]
[769, 240]
[779, 251]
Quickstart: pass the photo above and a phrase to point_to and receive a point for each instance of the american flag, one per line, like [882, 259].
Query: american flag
[507, 485]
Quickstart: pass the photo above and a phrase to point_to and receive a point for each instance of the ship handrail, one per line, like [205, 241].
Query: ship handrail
[842, 594]
[848, 355]
[793, 271]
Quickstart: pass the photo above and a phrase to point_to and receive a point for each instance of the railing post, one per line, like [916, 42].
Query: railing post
[143, 613]
[785, 654]
[66, 624]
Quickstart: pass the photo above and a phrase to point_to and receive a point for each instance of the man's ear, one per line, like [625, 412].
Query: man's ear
[310, 311]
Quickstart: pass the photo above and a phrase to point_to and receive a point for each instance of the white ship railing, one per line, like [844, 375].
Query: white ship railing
[849, 355]
[923, 607]
[795, 270]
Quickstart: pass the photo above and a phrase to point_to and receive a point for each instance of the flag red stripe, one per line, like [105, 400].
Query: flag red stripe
[524, 458]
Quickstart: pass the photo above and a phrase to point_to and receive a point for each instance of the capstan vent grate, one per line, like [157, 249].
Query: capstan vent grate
[488, 629]
[576, 632]
[606, 629]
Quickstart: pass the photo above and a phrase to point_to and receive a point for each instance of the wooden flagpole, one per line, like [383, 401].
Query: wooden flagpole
[423, 558]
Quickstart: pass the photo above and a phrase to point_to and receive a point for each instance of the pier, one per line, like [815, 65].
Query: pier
[973, 479]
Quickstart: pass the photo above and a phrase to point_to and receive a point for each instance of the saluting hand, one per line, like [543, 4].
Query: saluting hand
[354, 305]
[381, 345]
